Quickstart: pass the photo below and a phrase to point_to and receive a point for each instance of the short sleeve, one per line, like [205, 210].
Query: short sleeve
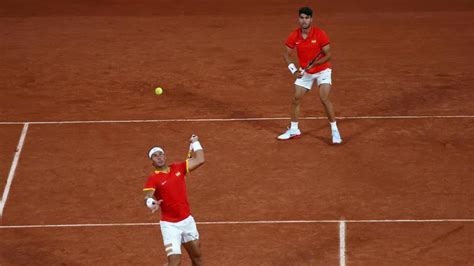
[150, 184]
[291, 41]
[323, 39]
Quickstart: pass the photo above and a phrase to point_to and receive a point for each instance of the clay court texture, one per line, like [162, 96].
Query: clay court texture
[78, 114]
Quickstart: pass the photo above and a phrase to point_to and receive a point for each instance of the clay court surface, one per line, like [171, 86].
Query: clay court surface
[78, 114]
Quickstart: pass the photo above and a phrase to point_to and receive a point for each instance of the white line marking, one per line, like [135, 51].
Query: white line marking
[411, 221]
[16, 158]
[241, 222]
[74, 225]
[238, 119]
[337, 221]
[342, 243]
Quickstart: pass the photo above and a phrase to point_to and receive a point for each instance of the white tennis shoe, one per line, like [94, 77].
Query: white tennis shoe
[290, 134]
[336, 137]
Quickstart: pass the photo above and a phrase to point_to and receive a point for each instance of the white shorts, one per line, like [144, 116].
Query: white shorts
[175, 234]
[322, 77]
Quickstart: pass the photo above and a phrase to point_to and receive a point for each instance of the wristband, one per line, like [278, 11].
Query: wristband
[196, 146]
[292, 68]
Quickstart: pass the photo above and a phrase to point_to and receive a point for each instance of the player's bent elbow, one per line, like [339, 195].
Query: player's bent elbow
[196, 162]
[200, 159]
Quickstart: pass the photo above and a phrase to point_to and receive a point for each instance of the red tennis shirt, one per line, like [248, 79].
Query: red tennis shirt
[308, 48]
[171, 188]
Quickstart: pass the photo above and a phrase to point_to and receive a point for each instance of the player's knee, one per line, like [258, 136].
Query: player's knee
[196, 254]
[197, 260]
[297, 100]
[174, 260]
[325, 100]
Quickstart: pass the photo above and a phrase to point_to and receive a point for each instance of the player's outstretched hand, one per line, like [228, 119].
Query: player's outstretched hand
[193, 138]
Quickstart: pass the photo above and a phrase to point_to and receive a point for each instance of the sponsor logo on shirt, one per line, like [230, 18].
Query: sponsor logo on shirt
[178, 173]
[313, 41]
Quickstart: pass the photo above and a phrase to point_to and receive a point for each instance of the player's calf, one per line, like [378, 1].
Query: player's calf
[174, 260]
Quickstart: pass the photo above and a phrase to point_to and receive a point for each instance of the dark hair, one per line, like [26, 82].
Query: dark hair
[305, 10]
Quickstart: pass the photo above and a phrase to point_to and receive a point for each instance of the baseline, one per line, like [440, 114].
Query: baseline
[237, 119]
[241, 222]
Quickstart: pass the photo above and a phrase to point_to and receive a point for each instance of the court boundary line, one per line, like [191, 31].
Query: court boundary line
[342, 243]
[241, 222]
[11, 174]
[235, 119]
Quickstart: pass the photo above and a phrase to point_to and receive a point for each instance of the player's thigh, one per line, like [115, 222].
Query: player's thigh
[191, 237]
[189, 230]
[193, 248]
[171, 238]
[300, 92]
[324, 90]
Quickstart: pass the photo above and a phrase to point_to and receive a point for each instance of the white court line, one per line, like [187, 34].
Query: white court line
[342, 243]
[237, 119]
[11, 174]
[239, 222]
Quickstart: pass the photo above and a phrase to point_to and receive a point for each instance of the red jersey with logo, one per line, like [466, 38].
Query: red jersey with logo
[308, 48]
[171, 188]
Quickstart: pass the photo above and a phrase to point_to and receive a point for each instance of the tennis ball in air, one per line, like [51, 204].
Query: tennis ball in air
[158, 91]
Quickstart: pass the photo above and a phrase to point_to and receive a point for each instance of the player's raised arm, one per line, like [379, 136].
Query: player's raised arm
[198, 158]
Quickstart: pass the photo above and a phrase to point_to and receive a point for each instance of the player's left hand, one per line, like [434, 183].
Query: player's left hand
[156, 207]
[299, 73]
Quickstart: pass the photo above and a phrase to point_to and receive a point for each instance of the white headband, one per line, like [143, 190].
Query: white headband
[153, 150]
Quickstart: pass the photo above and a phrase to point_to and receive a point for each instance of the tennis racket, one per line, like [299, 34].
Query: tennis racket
[190, 152]
[310, 65]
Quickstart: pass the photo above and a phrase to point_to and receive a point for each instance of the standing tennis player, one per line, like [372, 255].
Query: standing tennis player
[165, 189]
[310, 43]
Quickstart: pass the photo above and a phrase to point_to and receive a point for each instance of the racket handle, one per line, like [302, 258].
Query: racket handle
[190, 152]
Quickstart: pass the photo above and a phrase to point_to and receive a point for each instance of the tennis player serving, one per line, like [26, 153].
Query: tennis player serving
[313, 50]
[165, 189]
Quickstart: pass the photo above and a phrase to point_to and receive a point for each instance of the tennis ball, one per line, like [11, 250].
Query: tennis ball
[150, 203]
[158, 91]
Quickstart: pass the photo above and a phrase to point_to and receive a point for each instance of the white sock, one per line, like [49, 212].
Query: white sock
[333, 125]
[294, 125]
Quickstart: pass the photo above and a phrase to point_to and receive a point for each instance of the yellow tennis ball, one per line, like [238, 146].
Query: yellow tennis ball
[158, 91]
